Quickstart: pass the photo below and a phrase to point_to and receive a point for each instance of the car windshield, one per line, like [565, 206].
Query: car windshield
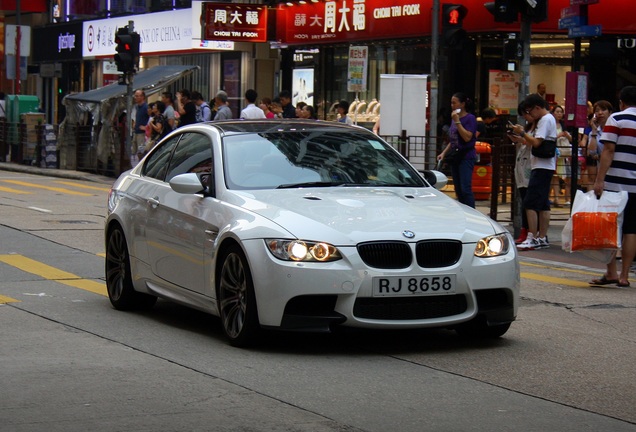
[290, 159]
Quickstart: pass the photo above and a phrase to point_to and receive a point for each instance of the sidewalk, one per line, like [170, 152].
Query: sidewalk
[553, 254]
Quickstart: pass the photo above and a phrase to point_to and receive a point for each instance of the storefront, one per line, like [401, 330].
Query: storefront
[316, 37]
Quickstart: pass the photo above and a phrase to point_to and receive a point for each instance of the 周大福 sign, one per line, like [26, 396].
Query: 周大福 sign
[235, 22]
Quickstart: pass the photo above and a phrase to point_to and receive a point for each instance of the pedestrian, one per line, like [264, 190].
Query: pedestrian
[186, 108]
[277, 109]
[251, 111]
[541, 90]
[563, 176]
[342, 109]
[617, 172]
[537, 200]
[522, 169]
[309, 112]
[158, 125]
[223, 112]
[289, 111]
[141, 121]
[299, 109]
[265, 105]
[204, 113]
[462, 138]
[169, 113]
[601, 111]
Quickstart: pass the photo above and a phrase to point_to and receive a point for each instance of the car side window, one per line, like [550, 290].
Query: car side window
[192, 155]
[157, 163]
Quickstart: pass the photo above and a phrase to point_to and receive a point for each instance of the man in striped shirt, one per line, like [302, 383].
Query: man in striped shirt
[617, 171]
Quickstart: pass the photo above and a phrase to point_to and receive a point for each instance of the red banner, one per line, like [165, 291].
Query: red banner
[350, 20]
[235, 22]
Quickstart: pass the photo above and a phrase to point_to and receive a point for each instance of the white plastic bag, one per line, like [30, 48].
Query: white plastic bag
[595, 224]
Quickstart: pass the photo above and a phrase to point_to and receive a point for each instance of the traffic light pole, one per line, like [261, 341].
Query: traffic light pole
[432, 127]
[129, 120]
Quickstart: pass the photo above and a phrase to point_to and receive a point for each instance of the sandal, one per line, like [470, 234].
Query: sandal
[604, 281]
[622, 284]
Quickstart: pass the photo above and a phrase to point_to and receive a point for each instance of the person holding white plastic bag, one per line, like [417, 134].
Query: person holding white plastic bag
[617, 172]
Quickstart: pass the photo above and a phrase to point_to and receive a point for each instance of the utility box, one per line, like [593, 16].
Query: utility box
[16, 105]
[404, 101]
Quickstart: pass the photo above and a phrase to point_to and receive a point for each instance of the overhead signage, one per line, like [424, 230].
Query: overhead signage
[349, 20]
[570, 11]
[235, 22]
[585, 31]
[572, 21]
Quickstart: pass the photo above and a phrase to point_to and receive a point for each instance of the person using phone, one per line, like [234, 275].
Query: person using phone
[462, 138]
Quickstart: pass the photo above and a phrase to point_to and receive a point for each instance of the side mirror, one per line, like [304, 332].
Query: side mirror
[188, 183]
[437, 179]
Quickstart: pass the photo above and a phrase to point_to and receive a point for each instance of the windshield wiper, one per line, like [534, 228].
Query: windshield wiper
[309, 184]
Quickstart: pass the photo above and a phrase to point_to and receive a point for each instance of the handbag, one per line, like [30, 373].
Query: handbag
[546, 150]
[595, 223]
[454, 156]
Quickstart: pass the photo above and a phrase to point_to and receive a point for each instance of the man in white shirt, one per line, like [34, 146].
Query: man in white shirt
[251, 111]
[537, 199]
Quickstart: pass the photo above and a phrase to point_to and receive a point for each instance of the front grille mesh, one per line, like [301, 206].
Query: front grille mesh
[397, 255]
[387, 255]
[409, 308]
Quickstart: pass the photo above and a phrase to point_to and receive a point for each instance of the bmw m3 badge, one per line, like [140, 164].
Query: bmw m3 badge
[408, 233]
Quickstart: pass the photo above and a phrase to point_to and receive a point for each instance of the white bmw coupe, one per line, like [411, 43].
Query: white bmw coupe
[303, 225]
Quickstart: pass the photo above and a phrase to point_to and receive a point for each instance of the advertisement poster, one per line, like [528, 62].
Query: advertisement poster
[503, 91]
[303, 86]
[357, 71]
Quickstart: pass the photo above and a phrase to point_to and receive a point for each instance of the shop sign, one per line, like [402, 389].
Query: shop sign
[503, 94]
[160, 32]
[235, 22]
[57, 42]
[348, 20]
[626, 43]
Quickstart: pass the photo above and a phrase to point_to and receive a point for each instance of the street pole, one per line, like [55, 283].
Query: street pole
[432, 149]
[129, 93]
[18, 37]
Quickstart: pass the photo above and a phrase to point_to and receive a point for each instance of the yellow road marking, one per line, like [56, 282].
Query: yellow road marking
[51, 188]
[564, 269]
[5, 300]
[15, 191]
[51, 273]
[83, 186]
[555, 280]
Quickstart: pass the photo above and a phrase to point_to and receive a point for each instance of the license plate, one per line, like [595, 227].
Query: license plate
[398, 286]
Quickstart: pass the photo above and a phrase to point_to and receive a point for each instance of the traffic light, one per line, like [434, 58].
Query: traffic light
[452, 24]
[506, 11]
[127, 57]
[538, 13]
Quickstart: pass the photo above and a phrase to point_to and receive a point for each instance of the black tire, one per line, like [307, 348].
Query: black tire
[479, 329]
[236, 299]
[119, 284]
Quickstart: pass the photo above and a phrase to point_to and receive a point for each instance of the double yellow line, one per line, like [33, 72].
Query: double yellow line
[37, 268]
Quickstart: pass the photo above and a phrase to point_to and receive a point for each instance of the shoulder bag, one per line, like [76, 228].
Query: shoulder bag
[546, 150]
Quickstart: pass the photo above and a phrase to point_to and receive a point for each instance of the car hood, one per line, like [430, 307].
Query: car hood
[349, 215]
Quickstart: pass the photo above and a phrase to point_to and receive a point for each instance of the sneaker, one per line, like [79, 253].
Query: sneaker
[542, 243]
[530, 243]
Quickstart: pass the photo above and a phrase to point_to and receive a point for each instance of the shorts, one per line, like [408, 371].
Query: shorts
[538, 194]
[139, 139]
[629, 215]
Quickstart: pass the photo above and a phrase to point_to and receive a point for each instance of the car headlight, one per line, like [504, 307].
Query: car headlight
[299, 250]
[492, 246]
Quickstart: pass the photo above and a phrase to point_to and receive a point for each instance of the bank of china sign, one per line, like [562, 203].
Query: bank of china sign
[235, 22]
[348, 20]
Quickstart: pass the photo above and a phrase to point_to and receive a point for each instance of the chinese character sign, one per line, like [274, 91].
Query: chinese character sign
[342, 20]
[235, 22]
[357, 71]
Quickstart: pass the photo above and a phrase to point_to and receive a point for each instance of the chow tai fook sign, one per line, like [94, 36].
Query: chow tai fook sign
[349, 20]
[235, 22]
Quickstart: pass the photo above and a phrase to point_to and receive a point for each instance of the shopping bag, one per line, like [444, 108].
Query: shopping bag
[595, 223]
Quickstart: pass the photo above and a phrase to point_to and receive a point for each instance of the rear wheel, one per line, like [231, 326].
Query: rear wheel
[237, 301]
[119, 284]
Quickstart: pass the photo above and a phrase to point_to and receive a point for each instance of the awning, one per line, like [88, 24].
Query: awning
[149, 80]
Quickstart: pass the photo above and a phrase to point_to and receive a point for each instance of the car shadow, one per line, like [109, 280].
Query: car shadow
[342, 340]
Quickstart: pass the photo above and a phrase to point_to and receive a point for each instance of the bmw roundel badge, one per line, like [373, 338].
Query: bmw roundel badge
[408, 233]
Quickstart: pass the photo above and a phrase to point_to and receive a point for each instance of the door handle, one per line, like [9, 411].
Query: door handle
[154, 202]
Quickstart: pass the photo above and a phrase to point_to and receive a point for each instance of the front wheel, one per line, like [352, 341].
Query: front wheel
[237, 301]
[119, 284]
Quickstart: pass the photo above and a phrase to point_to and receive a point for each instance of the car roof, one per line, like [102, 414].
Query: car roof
[230, 127]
